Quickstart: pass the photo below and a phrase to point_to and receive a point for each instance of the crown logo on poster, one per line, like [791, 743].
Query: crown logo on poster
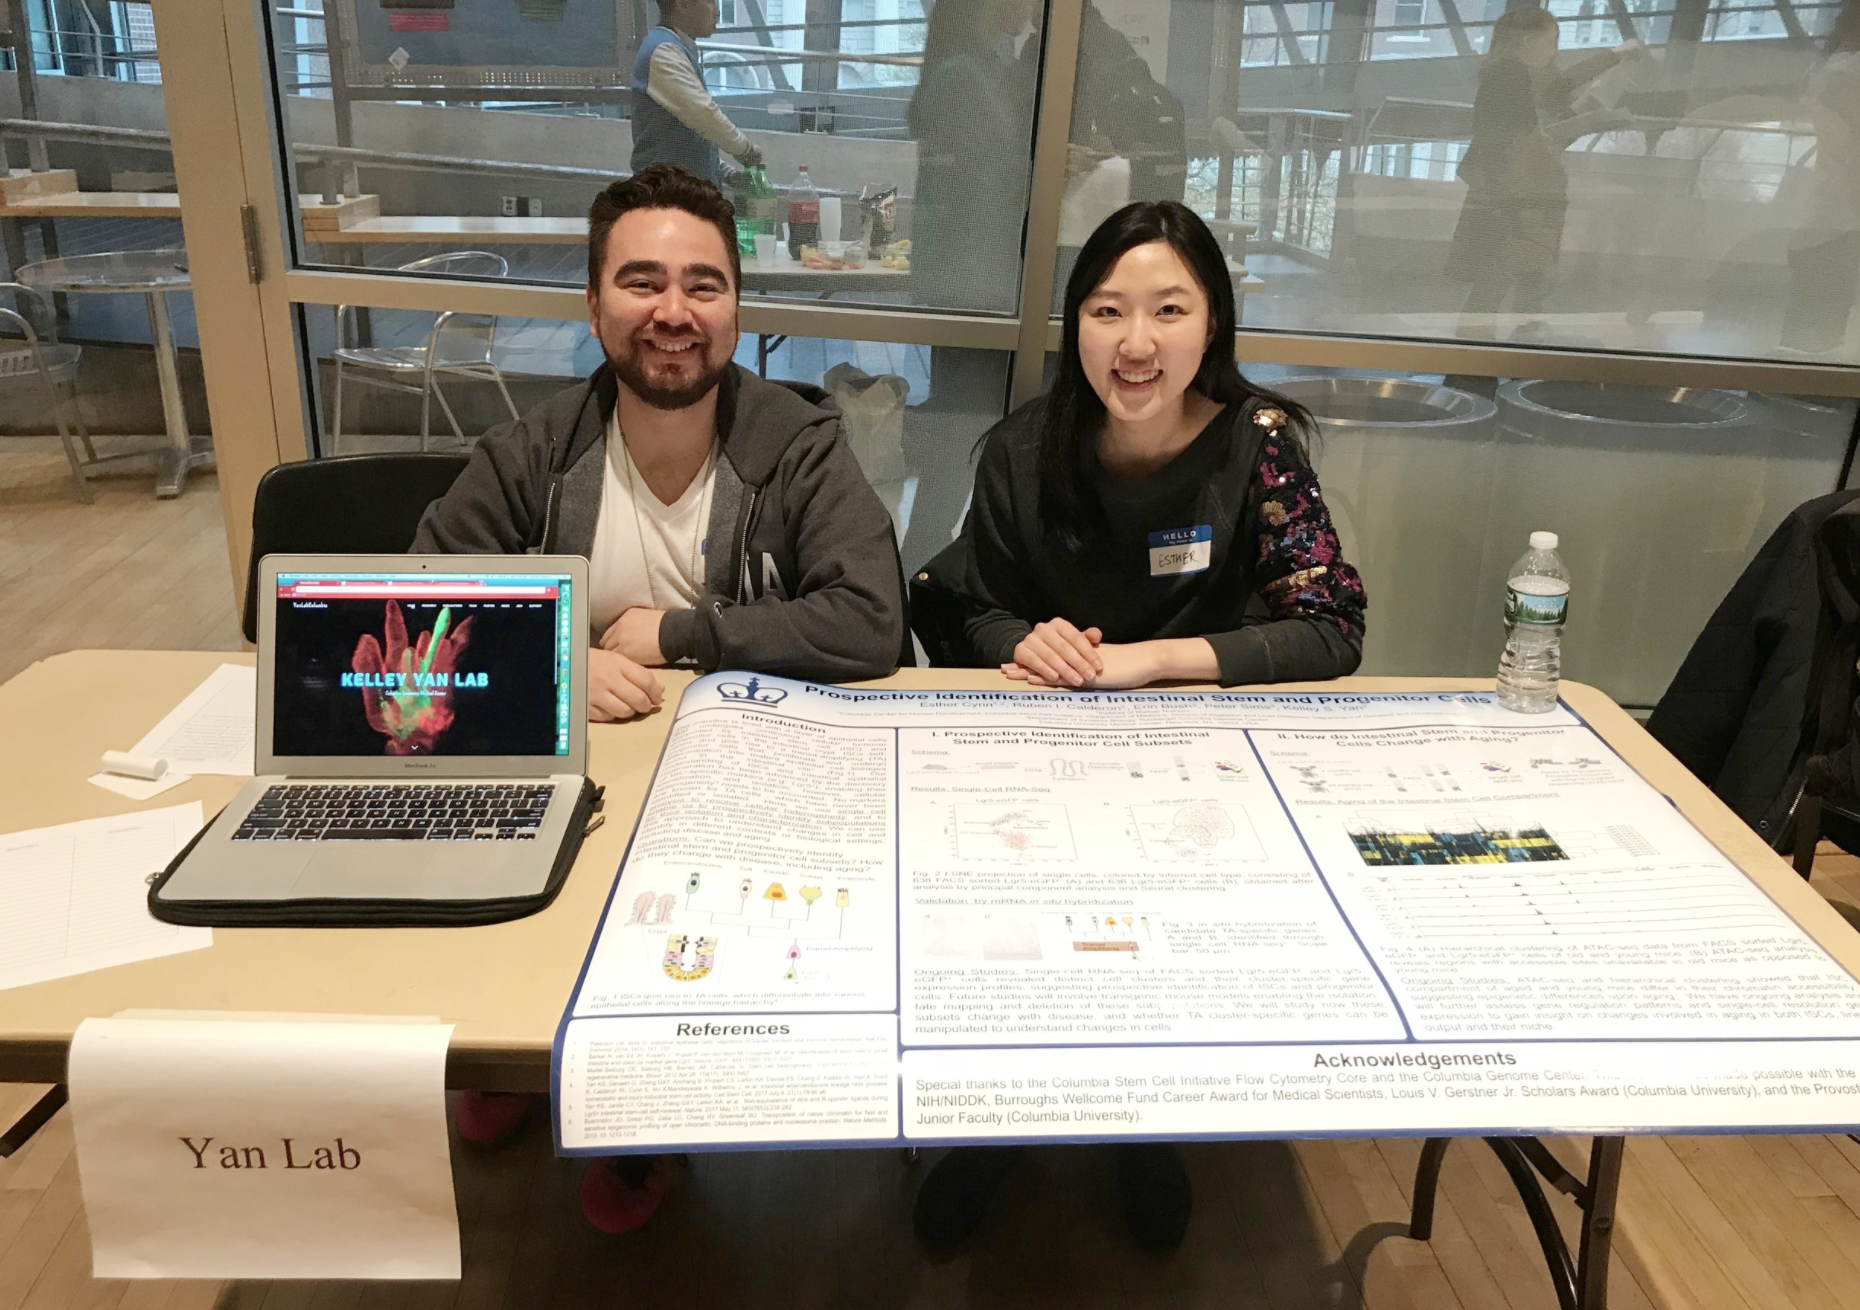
[753, 690]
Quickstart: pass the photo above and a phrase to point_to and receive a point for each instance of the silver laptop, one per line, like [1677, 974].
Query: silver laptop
[422, 742]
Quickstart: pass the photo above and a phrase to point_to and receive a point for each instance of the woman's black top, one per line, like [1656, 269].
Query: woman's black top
[1230, 540]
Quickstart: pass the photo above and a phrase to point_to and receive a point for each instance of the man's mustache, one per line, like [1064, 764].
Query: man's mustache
[660, 334]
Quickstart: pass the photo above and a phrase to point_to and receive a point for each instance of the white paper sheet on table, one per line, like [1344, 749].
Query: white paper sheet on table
[211, 1146]
[137, 789]
[75, 897]
[213, 730]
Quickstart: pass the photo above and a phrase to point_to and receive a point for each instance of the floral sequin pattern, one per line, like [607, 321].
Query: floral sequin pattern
[1300, 560]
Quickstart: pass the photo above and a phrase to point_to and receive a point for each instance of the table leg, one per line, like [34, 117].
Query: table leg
[179, 456]
[13, 232]
[767, 343]
[48, 242]
[1582, 1283]
[1598, 1221]
[354, 255]
[34, 1119]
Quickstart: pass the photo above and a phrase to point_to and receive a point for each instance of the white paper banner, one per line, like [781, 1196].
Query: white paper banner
[214, 1148]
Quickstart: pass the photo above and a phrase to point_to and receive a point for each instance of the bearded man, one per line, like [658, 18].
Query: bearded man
[724, 516]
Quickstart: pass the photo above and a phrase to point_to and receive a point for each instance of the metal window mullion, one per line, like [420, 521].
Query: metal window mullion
[1398, 355]
[1059, 66]
[802, 319]
[1403, 355]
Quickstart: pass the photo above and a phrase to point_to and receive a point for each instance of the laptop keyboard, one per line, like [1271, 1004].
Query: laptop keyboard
[400, 812]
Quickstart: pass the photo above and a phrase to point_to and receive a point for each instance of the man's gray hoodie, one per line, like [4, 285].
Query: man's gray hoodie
[801, 574]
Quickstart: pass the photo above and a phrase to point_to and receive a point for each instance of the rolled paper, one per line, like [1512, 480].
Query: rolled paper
[134, 766]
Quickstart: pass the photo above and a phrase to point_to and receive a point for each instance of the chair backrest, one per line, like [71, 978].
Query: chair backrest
[464, 338]
[357, 504]
[461, 263]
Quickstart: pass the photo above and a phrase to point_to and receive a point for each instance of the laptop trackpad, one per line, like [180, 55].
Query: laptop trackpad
[441, 871]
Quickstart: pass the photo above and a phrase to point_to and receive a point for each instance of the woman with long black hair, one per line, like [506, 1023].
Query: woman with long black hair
[1152, 517]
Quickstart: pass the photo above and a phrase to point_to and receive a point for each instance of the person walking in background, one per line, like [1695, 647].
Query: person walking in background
[675, 120]
[972, 119]
[1119, 108]
[1510, 230]
[1824, 253]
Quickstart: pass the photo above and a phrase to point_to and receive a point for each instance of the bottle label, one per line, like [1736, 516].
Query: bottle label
[1522, 607]
[803, 211]
[761, 209]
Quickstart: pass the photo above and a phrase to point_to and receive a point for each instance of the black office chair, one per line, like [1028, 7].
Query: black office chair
[939, 611]
[357, 505]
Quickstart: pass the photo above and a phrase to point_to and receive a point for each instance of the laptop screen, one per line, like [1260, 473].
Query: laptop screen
[461, 664]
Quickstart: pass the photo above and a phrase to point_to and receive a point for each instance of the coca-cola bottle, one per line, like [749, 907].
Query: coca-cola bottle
[803, 214]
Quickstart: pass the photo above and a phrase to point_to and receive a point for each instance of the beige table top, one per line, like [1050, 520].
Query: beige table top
[504, 985]
[95, 204]
[415, 228]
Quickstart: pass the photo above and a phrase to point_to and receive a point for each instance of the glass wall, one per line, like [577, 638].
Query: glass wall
[1655, 180]
[409, 380]
[418, 129]
[92, 235]
[1673, 176]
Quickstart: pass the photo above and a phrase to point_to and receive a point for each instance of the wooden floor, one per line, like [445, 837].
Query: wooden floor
[1728, 1223]
[1731, 1222]
[126, 570]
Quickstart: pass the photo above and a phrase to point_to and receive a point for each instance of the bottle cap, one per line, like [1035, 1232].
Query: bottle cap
[1543, 541]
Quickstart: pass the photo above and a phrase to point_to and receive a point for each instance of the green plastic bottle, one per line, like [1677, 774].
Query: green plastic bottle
[755, 209]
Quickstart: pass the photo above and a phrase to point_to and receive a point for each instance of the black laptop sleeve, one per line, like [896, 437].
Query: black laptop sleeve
[373, 912]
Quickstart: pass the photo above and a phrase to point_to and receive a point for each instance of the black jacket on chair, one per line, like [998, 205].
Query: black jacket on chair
[1738, 713]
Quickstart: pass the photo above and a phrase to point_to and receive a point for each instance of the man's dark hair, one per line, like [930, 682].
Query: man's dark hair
[661, 186]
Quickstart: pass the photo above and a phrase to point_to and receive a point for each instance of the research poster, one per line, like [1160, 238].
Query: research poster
[927, 917]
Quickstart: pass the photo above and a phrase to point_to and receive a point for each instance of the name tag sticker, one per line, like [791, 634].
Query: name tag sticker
[1181, 550]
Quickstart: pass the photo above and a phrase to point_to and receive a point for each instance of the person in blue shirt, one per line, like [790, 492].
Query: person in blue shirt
[675, 120]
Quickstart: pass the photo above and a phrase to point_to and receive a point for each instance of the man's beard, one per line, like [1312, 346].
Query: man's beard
[632, 374]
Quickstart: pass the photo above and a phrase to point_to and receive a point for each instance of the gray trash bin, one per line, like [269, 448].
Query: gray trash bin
[1406, 468]
[1653, 491]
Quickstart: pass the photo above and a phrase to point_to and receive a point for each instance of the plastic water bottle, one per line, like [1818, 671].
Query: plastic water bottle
[1536, 603]
[803, 214]
[756, 206]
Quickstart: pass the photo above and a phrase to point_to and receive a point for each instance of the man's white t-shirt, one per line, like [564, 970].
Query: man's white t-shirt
[646, 552]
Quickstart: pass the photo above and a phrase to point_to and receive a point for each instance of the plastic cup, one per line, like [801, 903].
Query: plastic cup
[765, 249]
[829, 218]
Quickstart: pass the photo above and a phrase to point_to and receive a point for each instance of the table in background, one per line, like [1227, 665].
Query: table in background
[151, 274]
[785, 275]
